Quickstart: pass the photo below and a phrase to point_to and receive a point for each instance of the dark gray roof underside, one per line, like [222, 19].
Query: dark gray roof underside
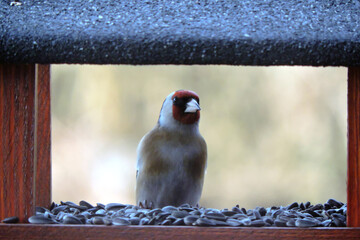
[239, 32]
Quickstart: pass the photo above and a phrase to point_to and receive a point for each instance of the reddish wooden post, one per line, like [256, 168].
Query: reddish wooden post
[353, 168]
[43, 138]
[19, 126]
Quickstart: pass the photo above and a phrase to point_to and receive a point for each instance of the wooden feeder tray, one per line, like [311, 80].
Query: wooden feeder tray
[37, 33]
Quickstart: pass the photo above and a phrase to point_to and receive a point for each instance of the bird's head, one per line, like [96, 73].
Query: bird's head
[180, 108]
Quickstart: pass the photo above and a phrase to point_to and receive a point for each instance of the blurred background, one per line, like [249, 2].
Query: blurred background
[275, 135]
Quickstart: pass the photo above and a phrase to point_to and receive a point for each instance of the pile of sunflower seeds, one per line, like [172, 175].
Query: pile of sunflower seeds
[330, 214]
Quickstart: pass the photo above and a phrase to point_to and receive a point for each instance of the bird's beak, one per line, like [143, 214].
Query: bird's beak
[192, 106]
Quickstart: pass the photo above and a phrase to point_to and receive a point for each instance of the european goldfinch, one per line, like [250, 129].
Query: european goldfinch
[172, 157]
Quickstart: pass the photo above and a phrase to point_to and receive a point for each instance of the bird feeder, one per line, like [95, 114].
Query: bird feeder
[37, 33]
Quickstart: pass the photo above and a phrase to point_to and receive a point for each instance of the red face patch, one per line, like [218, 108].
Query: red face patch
[180, 99]
[185, 94]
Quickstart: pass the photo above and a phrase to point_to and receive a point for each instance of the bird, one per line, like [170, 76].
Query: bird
[172, 157]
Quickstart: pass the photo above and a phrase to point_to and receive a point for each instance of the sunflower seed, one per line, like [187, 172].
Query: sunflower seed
[10, 220]
[189, 220]
[69, 219]
[179, 214]
[40, 219]
[121, 221]
[305, 223]
[204, 222]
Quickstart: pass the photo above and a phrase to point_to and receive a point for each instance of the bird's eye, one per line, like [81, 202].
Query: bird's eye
[175, 99]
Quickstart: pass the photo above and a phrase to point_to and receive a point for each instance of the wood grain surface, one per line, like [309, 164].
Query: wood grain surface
[17, 121]
[43, 138]
[353, 168]
[25, 149]
[27, 231]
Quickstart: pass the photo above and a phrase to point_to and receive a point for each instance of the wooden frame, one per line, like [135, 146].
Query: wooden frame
[353, 163]
[25, 157]
[25, 169]
[22, 231]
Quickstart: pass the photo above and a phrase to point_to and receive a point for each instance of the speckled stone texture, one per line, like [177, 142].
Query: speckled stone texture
[239, 32]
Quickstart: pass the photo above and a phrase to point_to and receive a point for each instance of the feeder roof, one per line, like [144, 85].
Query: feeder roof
[236, 32]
